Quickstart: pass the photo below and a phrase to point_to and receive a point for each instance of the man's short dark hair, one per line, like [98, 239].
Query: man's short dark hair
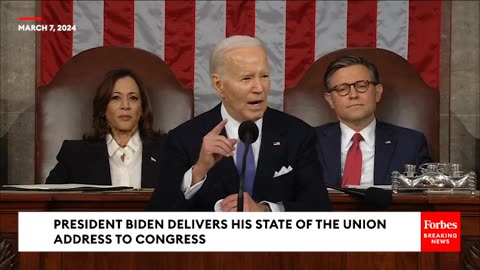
[346, 61]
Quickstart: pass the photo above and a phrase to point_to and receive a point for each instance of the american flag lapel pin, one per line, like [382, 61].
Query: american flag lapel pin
[276, 143]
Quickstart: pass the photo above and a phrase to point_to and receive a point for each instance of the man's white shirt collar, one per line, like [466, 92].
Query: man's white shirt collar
[368, 134]
[232, 125]
[232, 132]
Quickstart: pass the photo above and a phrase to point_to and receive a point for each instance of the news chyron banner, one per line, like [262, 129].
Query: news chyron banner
[290, 232]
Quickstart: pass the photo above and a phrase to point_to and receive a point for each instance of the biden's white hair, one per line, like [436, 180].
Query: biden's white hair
[234, 42]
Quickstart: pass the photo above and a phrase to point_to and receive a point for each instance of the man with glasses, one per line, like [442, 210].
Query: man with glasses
[359, 149]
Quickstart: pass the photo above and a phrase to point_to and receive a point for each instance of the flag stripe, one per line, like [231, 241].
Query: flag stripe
[88, 19]
[210, 28]
[295, 33]
[56, 47]
[150, 26]
[300, 41]
[392, 26]
[330, 26]
[361, 23]
[180, 39]
[240, 18]
[424, 39]
[270, 29]
[118, 23]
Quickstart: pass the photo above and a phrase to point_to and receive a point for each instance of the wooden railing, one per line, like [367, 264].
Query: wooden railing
[13, 202]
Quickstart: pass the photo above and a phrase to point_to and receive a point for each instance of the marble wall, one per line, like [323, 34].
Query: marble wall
[460, 89]
[465, 84]
[17, 94]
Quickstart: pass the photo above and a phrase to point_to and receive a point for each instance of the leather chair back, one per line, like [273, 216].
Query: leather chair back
[64, 107]
[407, 101]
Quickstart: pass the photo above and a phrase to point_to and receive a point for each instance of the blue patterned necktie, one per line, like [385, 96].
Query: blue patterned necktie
[249, 167]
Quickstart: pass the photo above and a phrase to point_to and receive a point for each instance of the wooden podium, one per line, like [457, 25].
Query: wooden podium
[13, 202]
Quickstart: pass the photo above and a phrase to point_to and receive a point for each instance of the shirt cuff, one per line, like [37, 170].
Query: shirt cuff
[217, 207]
[185, 187]
[275, 207]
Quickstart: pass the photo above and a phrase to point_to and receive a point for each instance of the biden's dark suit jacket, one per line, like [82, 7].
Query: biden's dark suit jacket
[85, 162]
[286, 141]
[394, 147]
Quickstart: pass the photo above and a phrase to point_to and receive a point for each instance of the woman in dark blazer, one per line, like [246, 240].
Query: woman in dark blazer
[124, 149]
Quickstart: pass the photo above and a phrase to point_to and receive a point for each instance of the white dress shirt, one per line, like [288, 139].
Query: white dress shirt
[232, 133]
[367, 146]
[129, 171]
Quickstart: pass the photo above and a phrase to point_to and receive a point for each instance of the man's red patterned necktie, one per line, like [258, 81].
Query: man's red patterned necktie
[352, 172]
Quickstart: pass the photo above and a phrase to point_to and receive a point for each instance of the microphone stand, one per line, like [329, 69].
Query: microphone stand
[373, 198]
[242, 179]
[354, 193]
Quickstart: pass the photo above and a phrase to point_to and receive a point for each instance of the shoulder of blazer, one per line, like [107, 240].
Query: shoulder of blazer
[74, 143]
[281, 122]
[157, 140]
[397, 130]
[328, 129]
[79, 151]
[155, 148]
[80, 145]
[199, 124]
[284, 118]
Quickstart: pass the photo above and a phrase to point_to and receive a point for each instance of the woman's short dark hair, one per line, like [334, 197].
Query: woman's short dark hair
[103, 96]
[346, 61]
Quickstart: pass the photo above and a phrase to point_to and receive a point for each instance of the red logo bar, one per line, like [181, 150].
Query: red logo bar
[29, 18]
[440, 232]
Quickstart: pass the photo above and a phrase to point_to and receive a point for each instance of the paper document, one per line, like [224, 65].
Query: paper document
[62, 187]
[386, 187]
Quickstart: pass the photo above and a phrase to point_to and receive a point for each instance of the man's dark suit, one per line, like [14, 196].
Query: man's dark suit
[394, 147]
[286, 141]
[85, 162]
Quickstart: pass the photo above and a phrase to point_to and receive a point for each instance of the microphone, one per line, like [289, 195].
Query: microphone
[248, 134]
[373, 198]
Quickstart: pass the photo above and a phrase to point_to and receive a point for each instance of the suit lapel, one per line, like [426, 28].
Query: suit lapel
[149, 174]
[272, 152]
[332, 155]
[385, 143]
[101, 164]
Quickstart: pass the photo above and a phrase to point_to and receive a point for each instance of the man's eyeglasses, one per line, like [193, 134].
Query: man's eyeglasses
[344, 88]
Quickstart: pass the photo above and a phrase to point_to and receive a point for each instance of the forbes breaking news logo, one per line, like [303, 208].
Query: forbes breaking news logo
[441, 231]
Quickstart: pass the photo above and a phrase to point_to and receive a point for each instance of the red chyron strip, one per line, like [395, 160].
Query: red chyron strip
[440, 231]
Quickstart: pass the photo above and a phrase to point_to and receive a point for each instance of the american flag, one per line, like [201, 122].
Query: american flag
[296, 33]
